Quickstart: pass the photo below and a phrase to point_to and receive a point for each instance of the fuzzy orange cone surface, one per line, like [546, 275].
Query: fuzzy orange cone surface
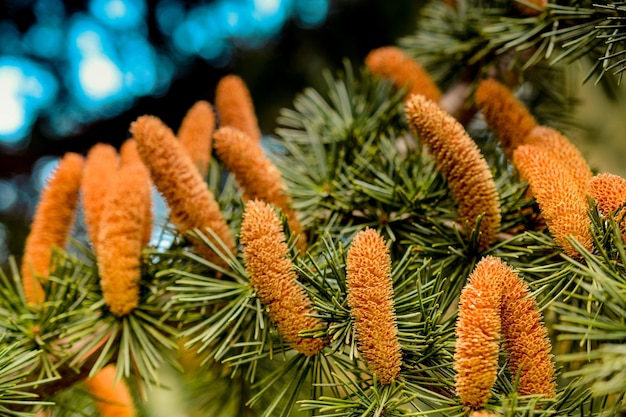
[52, 223]
[272, 275]
[120, 239]
[196, 134]
[235, 107]
[561, 201]
[370, 298]
[478, 333]
[112, 399]
[392, 63]
[568, 154]
[254, 171]
[609, 191]
[461, 163]
[174, 174]
[129, 156]
[526, 339]
[507, 117]
[100, 169]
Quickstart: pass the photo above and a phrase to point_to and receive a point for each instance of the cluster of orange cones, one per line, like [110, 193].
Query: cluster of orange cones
[116, 200]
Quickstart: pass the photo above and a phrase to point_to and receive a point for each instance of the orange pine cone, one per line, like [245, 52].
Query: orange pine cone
[255, 173]
[561, 201]
[571, 158]
[461, 162]
[235, 106]
[390, 62]
[191, 203]
[100, 169]
[609, 191]
[273, 277]
[112, 399]
[122, 231]
[478, 333]
[52, 223]
[196, 134]
[506, 116]
[526, 339]
[129, 155]
[370, 297]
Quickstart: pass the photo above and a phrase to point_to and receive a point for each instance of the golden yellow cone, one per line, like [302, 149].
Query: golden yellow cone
[52, 223]
[112, 399]
[483, 413]
[191, 203]
[129, 155]
[370, 297]
[478, 333]
[506, 116]
[120, 240]
[273, 277]
[255, 173]
[561, 201]
[98, 175]
[235, 106]
[526, 339]
[609, 191]
[571, 158]
[196, 133]
[461, 163]
[390, 62]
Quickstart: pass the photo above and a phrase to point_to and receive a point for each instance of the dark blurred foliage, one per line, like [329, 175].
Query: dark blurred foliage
[275, 72]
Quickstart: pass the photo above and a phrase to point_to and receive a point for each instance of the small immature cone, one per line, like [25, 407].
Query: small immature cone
[390, 62]
[506, 115]
[571, 158]
[370, 297]
[478, 333]
[98, 176]
[196, 133]
[460, 161]
[52, 223]
[255, 173]
[122, 231]
[526, 339]
[235, 106]
[129, 155]
[112, 399]
[273, 277]
[191, 203]
[561, 201]
[483, 413]
[609, 191]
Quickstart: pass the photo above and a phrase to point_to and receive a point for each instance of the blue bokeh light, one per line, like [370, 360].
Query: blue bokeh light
[103, 60]
[25, 89]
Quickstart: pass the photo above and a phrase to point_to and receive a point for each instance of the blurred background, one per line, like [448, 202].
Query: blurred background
[75, 73]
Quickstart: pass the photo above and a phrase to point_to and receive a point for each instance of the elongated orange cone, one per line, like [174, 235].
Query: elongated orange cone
[390, 62]
[370, 297]
[100, 169]
[526, 339]
[235, 106]
[478, 333]
[561, 201]
[255, 173]
[191, 203]
[52, 223]
[461, 162]
[507, 117]
[273, 277]
[196, 135]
